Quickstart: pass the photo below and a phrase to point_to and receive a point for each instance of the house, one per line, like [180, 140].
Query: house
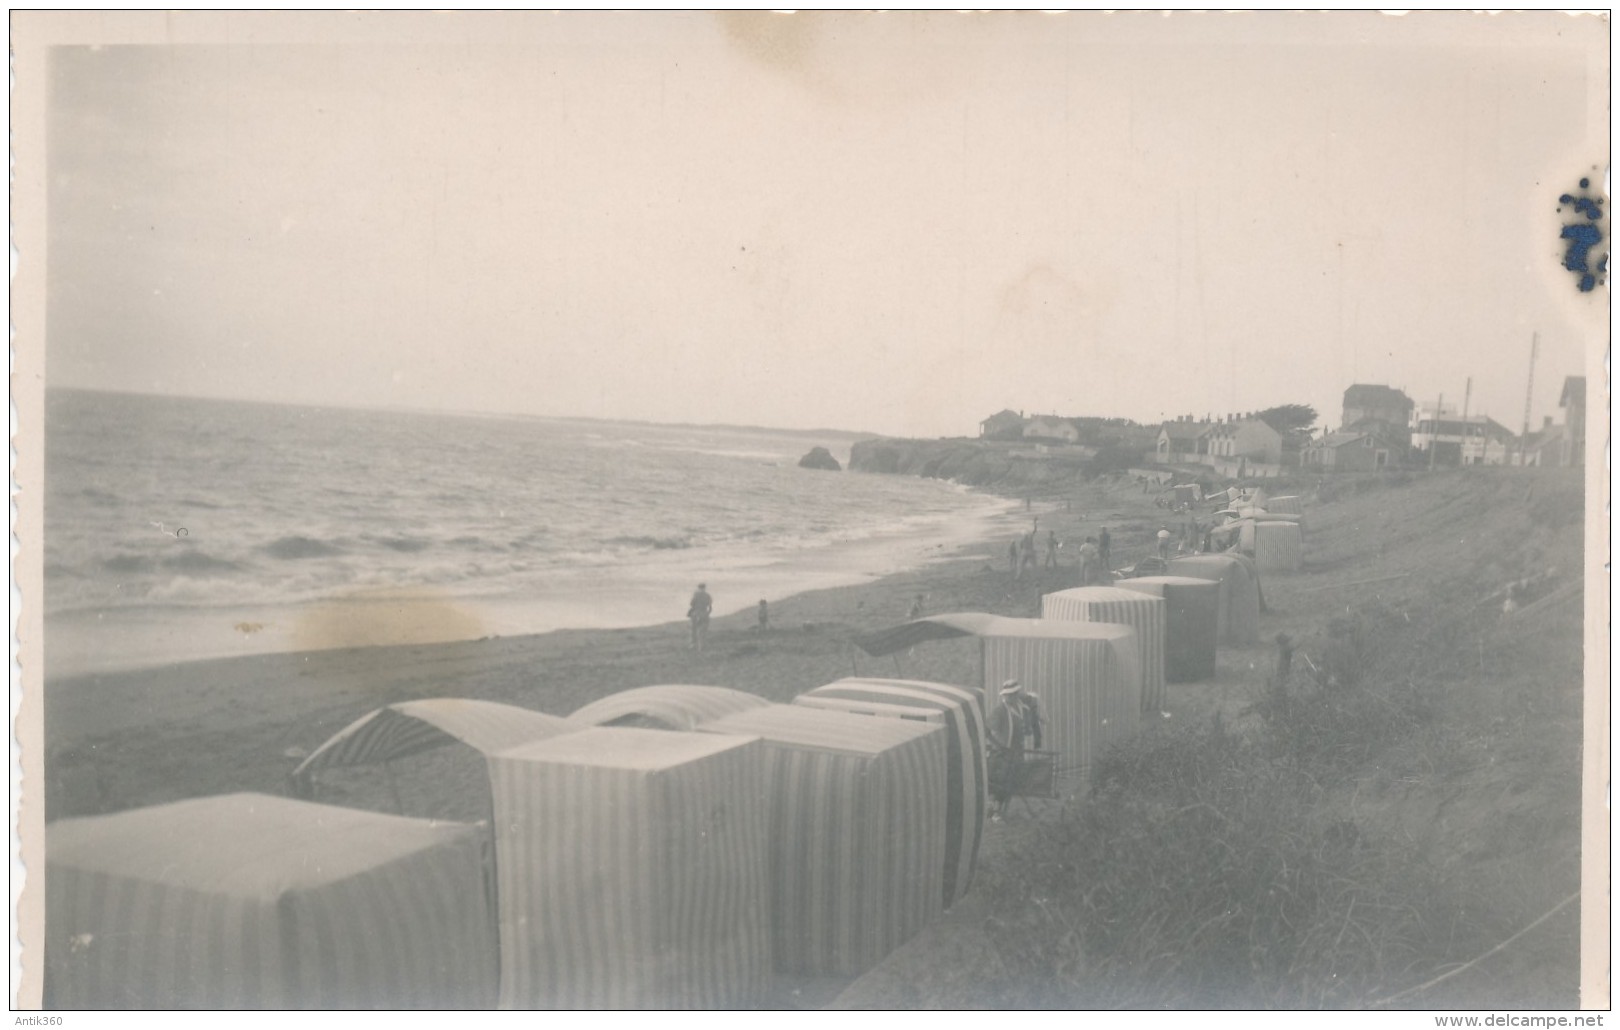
[1544, 446]
[1246, 438]
[1440, 437]
[1050, 427]
[1347, 452]
[1573, 400]
[1005, 424]
[1367, 405]
[1182, 441]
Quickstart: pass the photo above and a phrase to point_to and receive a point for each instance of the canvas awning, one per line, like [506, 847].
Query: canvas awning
[248, 901]
[675, 706]
[411, 727]
[967, 778]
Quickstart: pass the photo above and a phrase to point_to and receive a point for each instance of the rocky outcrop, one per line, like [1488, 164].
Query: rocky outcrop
[970, 462]
[820, 458]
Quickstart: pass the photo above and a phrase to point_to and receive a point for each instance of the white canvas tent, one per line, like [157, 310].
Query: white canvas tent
[633, 871]
[857, 810]
[1142, 612]
[1239, 605]
[967, 776]
[1087, 675]
[249, 901]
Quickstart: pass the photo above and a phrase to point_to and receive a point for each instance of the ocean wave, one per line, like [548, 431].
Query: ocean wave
[652, 543]
[407, 544]
[200, 563]
[293, 548]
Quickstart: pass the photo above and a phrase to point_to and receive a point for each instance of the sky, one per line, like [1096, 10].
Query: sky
[891, 223]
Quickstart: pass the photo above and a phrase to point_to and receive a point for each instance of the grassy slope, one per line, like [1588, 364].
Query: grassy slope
[1335, 843]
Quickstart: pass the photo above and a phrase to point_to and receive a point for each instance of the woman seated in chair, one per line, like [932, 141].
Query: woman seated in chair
[1015, 727]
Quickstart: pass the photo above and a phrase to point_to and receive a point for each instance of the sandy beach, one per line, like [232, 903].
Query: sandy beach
[124, 739]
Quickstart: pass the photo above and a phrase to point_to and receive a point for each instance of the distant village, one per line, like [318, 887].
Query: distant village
[1379, 428]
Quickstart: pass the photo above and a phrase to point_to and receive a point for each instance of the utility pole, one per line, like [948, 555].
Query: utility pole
[1529, 385]
[1468, 394]
[1434, 430]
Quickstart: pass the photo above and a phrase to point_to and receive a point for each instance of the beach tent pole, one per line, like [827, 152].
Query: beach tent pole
[393, 787]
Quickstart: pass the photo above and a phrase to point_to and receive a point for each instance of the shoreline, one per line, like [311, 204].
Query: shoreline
[134, 737]
[634, 594]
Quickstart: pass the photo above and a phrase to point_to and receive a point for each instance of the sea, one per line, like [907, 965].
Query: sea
[180, 529]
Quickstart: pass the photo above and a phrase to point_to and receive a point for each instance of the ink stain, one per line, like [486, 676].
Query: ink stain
[1583, 238]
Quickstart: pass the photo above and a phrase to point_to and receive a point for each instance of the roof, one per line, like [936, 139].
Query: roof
[1368, 395]
[1574, 390]
[248, 845]
[1051, 420]
[1187, 430]
[1002, 415]
[677, 706]
[804, 727]
[624, 748]
[1338, 439]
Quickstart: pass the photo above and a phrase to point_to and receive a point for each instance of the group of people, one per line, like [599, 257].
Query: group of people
[1093, 556]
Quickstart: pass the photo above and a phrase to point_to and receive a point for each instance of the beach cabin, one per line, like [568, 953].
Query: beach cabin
[1087, 675]
[248, 901]
[1191, 623]
[633, 871]
[1144, 613]
[961, 710]
[1238, 606]
[1278, 546]
[857, 815]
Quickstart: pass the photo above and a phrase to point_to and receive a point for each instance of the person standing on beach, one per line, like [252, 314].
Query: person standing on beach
[698, 611]
[1012, 559]
[1103, 541]
[1013, 727]
[1164, 541]
[764, 616]
[1090, 563]
[1051, 549]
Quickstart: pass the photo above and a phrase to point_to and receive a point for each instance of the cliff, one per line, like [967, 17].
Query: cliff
[1009, 468]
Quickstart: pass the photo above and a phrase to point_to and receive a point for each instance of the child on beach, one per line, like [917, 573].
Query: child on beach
[698, 611]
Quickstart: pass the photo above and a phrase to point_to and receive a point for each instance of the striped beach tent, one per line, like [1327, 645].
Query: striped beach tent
[1087, 675]
[247, 901]
[1291, 504]
[634, 871]
[1239, 606]
[961, 709]
[410, 727]
[1191, 623]
[1142, 612]
[674, 706]
[857, 835]
[1277, 546]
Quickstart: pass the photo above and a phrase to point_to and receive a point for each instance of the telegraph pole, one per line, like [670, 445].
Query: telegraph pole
[1468, 394]
[1529, 385]
[1434, 430]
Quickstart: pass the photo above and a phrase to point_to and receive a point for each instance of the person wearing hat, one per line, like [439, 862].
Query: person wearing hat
[698, 611]
[1015, 726]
